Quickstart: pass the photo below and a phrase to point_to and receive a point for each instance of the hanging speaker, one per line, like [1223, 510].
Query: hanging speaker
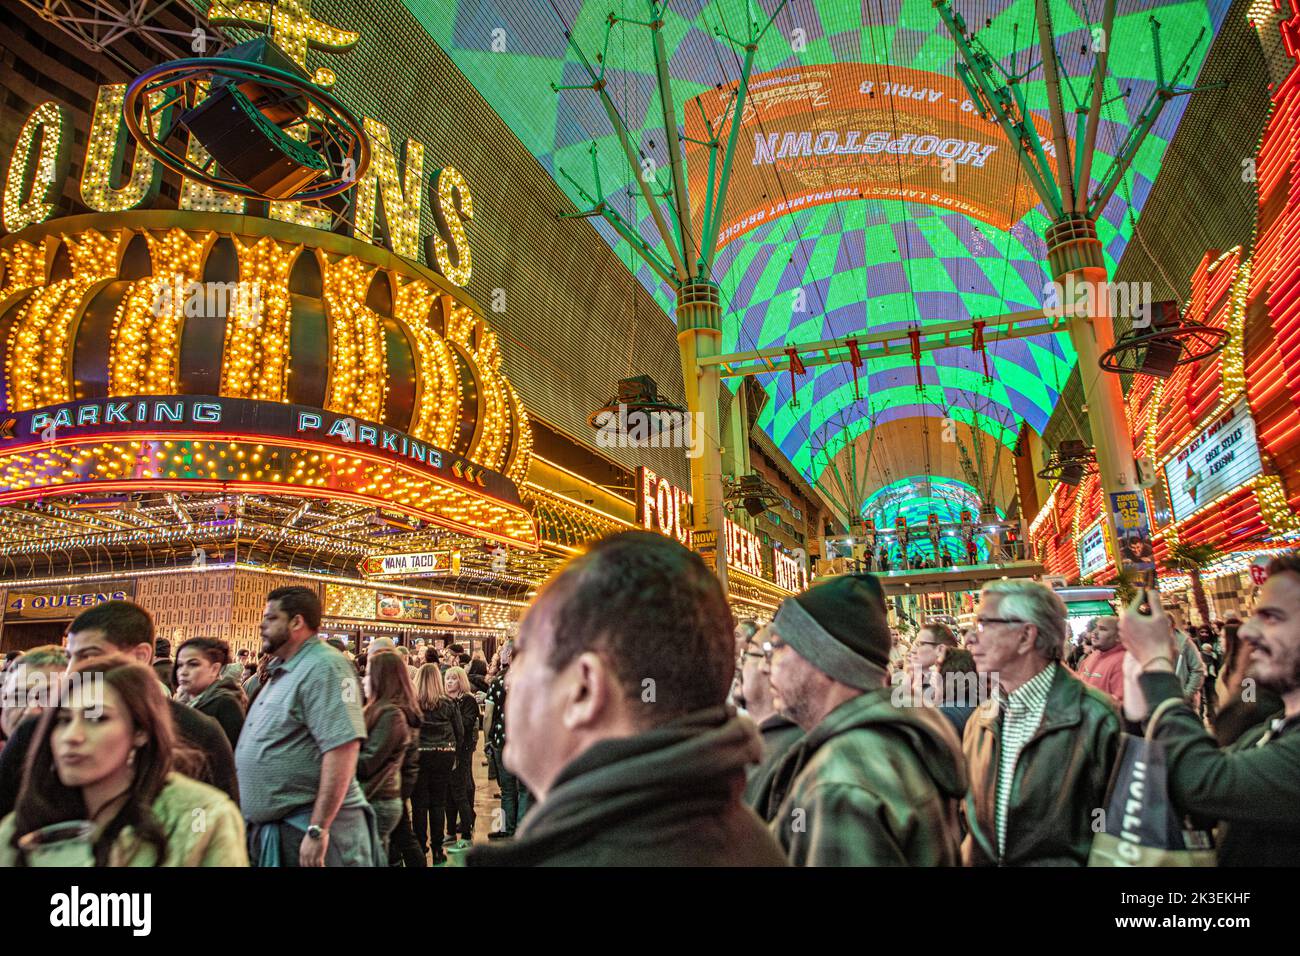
[249, 147]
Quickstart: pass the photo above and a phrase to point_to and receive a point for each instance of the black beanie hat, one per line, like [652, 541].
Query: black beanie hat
[851, 609]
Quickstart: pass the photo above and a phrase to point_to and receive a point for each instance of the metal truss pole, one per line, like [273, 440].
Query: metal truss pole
[1074, 251]
[699, 308]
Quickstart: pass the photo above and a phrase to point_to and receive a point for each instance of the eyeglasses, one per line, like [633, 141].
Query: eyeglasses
[983, 622]
[931, 643]
[771, 647]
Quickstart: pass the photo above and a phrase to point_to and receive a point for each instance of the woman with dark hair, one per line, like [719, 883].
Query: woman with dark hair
[107, 755]
[478, 673]
[441, 733]
[392, 730]
[202, 682]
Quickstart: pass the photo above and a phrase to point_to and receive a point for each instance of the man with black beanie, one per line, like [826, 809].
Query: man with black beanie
[878, 777]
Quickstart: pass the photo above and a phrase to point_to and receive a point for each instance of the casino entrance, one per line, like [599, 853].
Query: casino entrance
[24, 635]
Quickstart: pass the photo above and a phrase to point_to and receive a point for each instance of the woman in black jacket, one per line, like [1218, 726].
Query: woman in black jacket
[392, 722]
[441, 733]
[460, 792]
[201, 682]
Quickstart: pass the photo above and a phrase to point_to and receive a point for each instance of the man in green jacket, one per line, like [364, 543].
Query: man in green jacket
[878, 777]
[1253, 786]
[1041, 750]
[617, 717]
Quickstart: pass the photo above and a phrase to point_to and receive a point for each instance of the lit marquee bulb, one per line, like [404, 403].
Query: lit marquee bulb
[24, 207]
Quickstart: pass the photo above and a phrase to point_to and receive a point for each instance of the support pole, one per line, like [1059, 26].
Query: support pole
[1084, 179]
[1074, 256]
[1052, 80]
[681, 191]
[699, 335]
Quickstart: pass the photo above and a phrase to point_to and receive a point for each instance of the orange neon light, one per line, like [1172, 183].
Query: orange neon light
[262, 487]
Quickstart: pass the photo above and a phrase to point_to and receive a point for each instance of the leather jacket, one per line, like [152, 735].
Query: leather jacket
[469, 717]
[379, 764]
[1061, 778]
[441, 727]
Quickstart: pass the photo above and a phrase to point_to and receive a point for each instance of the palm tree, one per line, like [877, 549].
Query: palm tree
[1125, 585]
[1193, 559]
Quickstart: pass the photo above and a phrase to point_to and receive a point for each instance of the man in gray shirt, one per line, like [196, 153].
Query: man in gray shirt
[297, 753]
[1189, 665]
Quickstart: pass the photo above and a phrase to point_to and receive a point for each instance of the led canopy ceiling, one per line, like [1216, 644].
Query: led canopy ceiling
[867, 193]
[915, 499]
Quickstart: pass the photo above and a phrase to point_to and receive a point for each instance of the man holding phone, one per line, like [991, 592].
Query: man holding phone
[1253, 786]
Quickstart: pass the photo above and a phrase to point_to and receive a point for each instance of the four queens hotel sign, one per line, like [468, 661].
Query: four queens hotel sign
[744, 551]
[791, 573]
[663, 507]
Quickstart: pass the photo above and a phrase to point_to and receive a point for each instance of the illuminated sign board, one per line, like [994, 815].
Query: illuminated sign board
[844, 131]
[1093, 553]
[395, 180]
[1220, 459]
[410, 607]
[663, 507]
[789, 573]
[61, 603]
[226, 418]
[416, 564]
[744, 550]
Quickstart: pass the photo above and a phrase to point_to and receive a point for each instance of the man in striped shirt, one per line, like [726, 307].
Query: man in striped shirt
[1040, 752]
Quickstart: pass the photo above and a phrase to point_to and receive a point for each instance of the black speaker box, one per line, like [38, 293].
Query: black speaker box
[250, 148]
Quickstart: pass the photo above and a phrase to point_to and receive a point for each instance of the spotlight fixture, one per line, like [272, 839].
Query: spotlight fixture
[753, 492]
[1069, 463]
[1170, 340]
[639, 407]
[270, 132]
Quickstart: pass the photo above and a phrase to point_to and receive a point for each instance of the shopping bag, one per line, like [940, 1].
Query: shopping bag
[1143, 828]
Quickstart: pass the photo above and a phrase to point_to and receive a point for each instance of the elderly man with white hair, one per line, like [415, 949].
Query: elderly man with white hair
[1041, 750]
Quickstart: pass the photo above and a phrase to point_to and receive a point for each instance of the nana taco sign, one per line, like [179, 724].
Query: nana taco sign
[418, 564]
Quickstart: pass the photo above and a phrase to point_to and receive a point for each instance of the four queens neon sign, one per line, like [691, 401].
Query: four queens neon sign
[667, 509]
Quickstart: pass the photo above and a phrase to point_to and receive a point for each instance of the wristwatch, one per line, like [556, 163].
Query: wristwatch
[315, 832]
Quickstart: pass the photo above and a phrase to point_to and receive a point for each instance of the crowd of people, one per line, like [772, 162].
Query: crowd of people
[916, 558]
[632, 722]
[305, 755]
